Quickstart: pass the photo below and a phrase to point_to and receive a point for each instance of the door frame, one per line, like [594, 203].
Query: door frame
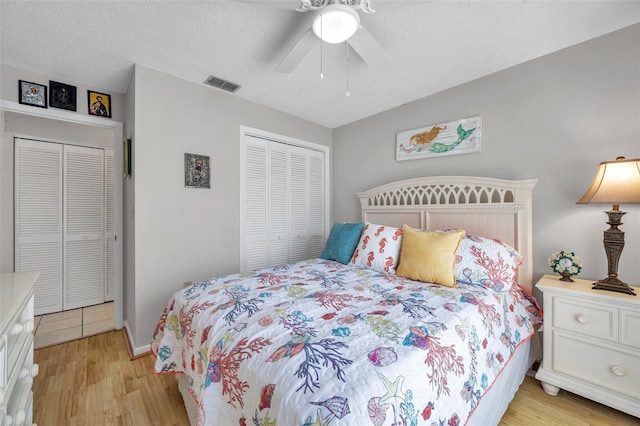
[117, 128]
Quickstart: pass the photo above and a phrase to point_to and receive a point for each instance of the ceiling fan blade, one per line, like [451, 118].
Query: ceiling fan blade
[280, 4]
[297, 53]
[368, 49]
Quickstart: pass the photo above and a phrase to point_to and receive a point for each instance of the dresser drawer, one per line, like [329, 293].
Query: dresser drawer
[590, 319]
[600, 365]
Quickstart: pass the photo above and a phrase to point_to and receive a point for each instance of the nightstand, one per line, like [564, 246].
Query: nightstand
[591, 343]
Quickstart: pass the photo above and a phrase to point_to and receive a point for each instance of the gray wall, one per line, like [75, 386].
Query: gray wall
[186, 234]
[554, 118]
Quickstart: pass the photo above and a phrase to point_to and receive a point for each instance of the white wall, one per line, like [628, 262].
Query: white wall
[185, 233]
[554, 118]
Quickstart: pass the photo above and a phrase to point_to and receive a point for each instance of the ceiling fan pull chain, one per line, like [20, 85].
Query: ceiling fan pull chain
[347, 93]
[321, 74]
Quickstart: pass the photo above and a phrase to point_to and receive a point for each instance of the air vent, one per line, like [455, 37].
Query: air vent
[222, 84]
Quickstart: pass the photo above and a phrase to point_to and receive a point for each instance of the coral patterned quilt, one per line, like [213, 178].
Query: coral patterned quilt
[321, 343]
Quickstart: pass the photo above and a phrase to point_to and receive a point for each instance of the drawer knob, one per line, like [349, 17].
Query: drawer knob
[16, 329]
[582, 319]
[29, 326]
[618, 371]
[29, 371]
[21, 417]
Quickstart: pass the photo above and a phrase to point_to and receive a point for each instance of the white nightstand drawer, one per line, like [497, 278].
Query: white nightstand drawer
[630, 328]
[590, 319]
[599, 365]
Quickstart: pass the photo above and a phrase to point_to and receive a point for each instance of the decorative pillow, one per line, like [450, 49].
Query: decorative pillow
[487, 262]
[378, 248]
[429, 256]
[342, 241]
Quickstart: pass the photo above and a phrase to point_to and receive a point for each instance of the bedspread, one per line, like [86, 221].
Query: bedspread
[321, 343]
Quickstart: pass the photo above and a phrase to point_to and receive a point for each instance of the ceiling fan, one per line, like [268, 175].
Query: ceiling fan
[335, 21]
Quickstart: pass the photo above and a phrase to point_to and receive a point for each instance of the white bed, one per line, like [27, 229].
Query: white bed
[492, 208]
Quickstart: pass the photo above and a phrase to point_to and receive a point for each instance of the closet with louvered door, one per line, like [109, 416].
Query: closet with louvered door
[283, 203]
[62, 222]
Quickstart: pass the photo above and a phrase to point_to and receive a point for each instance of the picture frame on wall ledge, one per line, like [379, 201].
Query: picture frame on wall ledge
[33, 94]
[62, 95]
[197, 171]
[438, 140]
[99, 104]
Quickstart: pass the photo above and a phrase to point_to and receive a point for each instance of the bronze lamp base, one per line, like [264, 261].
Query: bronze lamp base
[613, 245]
[613, 284]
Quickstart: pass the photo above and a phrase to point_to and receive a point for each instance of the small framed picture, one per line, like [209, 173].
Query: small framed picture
[62, 96]
[197, 171]
[33, 94]
[99, 104]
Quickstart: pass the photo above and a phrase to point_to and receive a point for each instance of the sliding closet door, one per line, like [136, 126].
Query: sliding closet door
[38, 219]
[83, 227]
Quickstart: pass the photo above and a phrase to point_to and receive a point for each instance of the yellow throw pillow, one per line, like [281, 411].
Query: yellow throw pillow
[429, 256]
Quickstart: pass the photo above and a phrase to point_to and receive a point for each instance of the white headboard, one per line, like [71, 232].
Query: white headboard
[493, 208]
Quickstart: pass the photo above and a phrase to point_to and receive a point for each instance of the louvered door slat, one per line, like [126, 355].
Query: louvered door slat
[110, 234]
[278, 182]
[83, 226]
[38, 219]
[317, 194]
[299, 198]
[254, 199]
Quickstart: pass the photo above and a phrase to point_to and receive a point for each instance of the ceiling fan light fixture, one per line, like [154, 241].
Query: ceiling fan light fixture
[336, 23]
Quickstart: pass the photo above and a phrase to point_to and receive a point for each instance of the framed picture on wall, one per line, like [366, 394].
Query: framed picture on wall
[197, 171]
[62, 95]
[99, 104]
[437, 140]
[33, 94]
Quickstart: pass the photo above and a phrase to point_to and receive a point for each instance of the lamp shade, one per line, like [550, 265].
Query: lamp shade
[335, 23]
[616, 182]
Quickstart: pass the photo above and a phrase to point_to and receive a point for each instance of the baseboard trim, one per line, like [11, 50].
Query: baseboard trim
[134, 352]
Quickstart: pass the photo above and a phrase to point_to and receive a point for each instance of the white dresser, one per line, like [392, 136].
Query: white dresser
[591, 343]
[16, 348]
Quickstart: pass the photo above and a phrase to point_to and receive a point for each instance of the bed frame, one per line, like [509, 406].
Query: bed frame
[488, 207]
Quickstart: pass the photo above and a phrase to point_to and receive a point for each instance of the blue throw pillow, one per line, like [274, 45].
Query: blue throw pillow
[342, 242]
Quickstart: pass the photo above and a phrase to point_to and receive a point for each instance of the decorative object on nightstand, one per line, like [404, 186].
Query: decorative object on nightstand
[616, 182]
[591, 343]
[565, 263]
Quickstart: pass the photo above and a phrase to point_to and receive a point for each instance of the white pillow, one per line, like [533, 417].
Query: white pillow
[378, 248]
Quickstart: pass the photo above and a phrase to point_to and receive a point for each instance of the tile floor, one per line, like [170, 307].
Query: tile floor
[61, 327]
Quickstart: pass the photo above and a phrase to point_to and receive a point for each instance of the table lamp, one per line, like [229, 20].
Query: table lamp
[616, 182]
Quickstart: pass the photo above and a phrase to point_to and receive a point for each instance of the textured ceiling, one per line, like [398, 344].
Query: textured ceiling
[432, 45]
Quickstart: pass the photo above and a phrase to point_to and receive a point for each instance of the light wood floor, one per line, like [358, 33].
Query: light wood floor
[92, 381]
[60, 327]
